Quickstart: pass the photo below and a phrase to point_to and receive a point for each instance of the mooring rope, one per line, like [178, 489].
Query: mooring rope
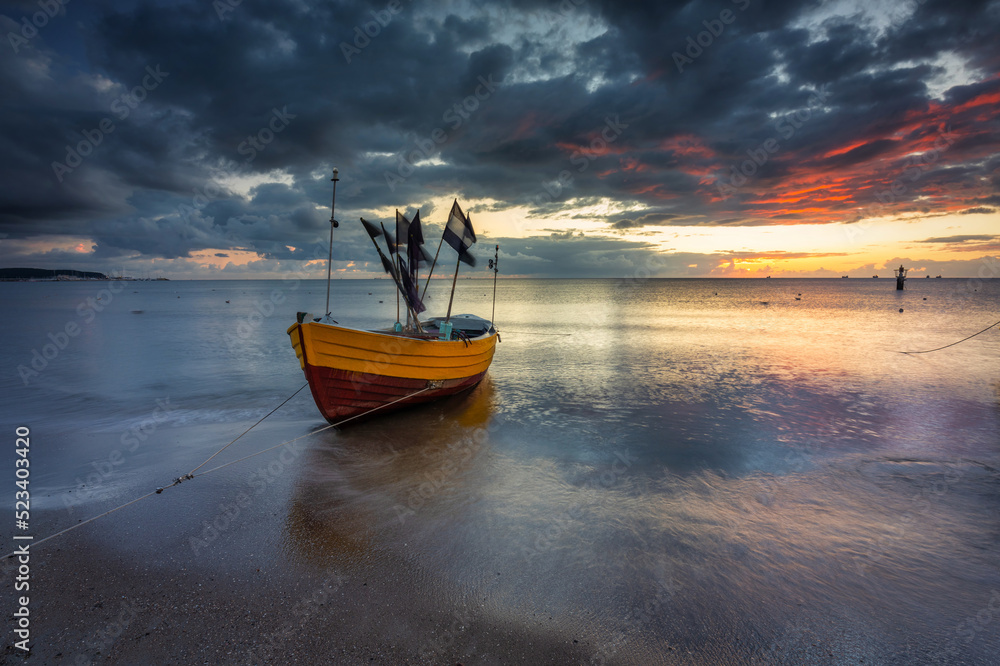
[927, 351]
[310, 434]
[191, 474]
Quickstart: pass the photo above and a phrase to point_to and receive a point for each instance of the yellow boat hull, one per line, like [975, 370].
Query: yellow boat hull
[353, 372]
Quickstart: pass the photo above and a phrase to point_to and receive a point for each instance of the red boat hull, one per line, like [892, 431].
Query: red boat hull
[342, 394]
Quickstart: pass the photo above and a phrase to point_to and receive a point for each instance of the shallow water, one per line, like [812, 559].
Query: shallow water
[681, 471]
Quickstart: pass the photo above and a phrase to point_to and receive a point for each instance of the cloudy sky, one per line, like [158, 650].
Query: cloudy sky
[587, 137]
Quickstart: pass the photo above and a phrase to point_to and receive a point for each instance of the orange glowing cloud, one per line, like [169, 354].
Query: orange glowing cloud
[687, 145]
[878, 172]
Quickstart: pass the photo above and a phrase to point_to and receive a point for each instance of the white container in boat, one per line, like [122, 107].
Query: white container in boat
[446, 330]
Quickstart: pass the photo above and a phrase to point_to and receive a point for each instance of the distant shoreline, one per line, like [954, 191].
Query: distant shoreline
[62, 275]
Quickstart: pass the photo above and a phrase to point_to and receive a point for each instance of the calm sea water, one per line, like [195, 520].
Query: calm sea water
[689, 471]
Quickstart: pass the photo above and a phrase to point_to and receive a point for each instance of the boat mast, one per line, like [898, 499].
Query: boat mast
[413, 258]
[333, 225]
[455, 279]
[431, 271]
[395, 266]
[495, 265]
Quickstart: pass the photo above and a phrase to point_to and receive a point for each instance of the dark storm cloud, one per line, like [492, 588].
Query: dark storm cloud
[643, 220]
[537, 104]
[967, 238]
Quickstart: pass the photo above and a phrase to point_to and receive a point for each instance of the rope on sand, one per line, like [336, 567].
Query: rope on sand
[191, 474]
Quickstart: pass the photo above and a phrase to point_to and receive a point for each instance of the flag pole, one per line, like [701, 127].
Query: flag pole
[453, 281]
[395, 267]
[333, 224]
[415, 269]
[431, 271]
[399, 268]
[496, 269]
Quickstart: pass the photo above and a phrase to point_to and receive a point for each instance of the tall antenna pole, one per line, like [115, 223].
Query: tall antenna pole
[333, 224]
[495, 265]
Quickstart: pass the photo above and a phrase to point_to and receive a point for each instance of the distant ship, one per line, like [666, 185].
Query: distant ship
[875, 276]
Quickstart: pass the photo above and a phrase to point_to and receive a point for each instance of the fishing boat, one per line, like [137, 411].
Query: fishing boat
[355, 373]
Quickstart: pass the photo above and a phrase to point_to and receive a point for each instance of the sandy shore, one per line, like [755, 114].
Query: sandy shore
[229, 569]
[94, 606]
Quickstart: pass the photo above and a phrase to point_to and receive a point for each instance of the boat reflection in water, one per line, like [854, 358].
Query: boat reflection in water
[362, 485]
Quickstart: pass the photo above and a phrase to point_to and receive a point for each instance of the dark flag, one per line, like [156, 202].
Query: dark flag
[415, 252]
[402, 231]
[414, 233]
[372, 230]
[400, 273]
[375, 232]
[386, 264]
[410, 289]
[459, 235]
